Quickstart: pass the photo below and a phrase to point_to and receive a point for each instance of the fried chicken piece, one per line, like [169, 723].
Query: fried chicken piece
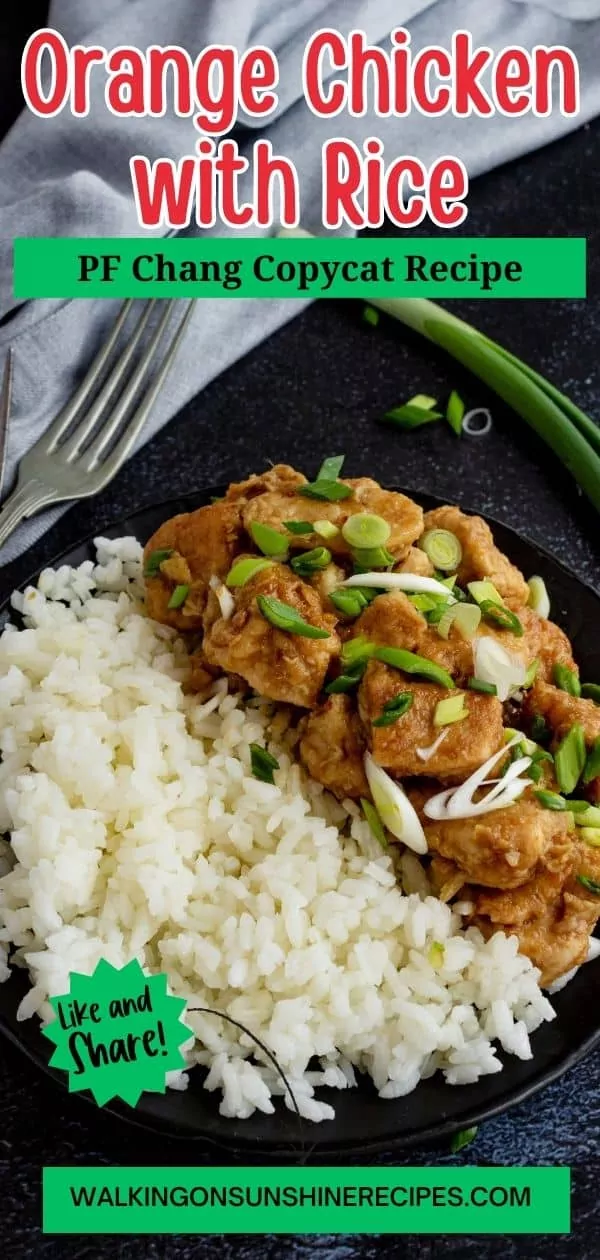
[392, 621]
[276, 663]
[553, 914]
[481, 557]
[554, 648]
[465, 745]
[404, 517]
[202, 675]
[504, 848]
[204, 543]
[562, 710]
[332, 747]
[416, 561]
[280, 479]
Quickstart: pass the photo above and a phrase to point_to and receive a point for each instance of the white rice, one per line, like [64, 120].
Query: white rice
[137, 830]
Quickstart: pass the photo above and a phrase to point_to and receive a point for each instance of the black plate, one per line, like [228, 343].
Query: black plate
[365, 1123]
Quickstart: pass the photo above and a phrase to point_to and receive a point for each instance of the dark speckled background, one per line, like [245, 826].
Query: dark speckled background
[316, 387]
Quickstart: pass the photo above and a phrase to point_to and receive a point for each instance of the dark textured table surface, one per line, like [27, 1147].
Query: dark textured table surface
[316, 387]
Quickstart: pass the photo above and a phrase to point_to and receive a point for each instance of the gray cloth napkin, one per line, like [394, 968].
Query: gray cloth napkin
[70, 177]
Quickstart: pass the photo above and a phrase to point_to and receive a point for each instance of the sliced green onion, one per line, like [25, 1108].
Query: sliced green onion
[566, 679]
[329, 491]
[411, 663]
[355, 650]
[592, 765]
[540, 731]
[268, 540]
[569, 759]
[309, 562]
[534, 772]
[262, 763]
[466, 618]
[462, 1139]
[155, 559]
[394, 709]
[589, 816]
[370, 316]
[488, 689]
[331, 468]
[410, 416]
[368, 558]
[591, 836]
[366, 531]
[244, 570]
[326, 529]
[531, 675]
[178, 597]
[551, 800]
[351, 602]
[592, 885]
[539, 599]
[299, 527]
[451, 710]
[591, 691]
[346, 681]
[443, 548]
[435, 955]
[374, 822]
[284, 617]
[501, 616]
[422, 401]
[394, 808]
[484, 590]
[455, 412]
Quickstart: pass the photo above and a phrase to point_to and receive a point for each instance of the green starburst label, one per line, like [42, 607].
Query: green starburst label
[117, 1033]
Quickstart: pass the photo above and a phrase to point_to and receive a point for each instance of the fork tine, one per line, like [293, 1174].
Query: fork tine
[93, 456]
[88, 423]
[128, 438]
[65, 417]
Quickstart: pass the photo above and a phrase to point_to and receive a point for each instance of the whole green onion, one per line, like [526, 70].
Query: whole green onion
[284, 617]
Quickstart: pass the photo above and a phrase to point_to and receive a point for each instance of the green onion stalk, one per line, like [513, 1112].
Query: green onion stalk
[572, 435]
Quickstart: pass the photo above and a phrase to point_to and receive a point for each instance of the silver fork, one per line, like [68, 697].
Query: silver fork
[90, 439]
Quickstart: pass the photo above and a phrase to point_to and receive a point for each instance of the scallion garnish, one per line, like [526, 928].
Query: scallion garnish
[326, 530]
[452, 709]
[465, 617]
[329, 491]
[299, 527]
[284, 617]
[155, 559]
[484, 589]
[488, 689]
[411, 663]
[592, 885]
[592, 765]
[566, 679]
[348, 680]
[178, 597]
[462, 1139]
[262, 763]
[501, 616]
[331, 468]
[411, 416]
[443, 548]
[569, 759]
[591, 691]
[370, 316]
[539, 599]
[309, 562]
[353, 600]
[394, 709]
[243, 570]
[455, 411]
[366, 531]
[269, 540]
[375, 823]
[355, 650]
[551, 800]
[531, 675]
[368, 559]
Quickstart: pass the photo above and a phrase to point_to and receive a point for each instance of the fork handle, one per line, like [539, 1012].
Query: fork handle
[25, 501]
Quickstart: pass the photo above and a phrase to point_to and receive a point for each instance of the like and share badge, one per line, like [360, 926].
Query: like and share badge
[118, 1033]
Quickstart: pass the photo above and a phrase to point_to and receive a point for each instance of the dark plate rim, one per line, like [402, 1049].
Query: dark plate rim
[315, 1149]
